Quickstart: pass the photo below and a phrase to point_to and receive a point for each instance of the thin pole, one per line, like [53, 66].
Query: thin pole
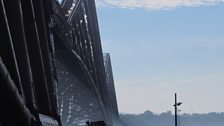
[175, 106]
[179, 120]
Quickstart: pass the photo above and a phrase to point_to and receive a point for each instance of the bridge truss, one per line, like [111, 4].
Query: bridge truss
[52, 69]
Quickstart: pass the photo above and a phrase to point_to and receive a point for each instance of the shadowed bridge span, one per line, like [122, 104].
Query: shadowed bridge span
[52, 69]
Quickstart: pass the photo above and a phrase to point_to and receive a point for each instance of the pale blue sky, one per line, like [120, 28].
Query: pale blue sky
[159, 48]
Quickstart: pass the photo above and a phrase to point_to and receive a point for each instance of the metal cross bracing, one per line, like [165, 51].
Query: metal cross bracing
[111, 89]
[84, 41]
[40, 40]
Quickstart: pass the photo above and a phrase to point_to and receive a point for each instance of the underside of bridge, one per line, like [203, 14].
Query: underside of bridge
[52, 69]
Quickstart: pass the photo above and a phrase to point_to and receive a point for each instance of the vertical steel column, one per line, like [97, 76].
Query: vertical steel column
[7, 50]
[33, 44]
[94, 46]
[47, 43]
[94, 30]
[87, 40]
[83, 37]
[42, 87]
[81, 41]
[13, 111]
[14, 15]
[111, 87]
[78, 50]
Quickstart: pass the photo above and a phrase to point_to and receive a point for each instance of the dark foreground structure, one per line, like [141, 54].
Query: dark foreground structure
[52, 69]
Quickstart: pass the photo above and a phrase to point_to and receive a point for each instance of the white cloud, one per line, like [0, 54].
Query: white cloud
[156, 4]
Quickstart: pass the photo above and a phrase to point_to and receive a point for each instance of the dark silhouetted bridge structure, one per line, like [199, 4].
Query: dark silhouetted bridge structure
[52, 69]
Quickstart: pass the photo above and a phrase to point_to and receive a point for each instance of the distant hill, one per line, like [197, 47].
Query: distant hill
[149, 118]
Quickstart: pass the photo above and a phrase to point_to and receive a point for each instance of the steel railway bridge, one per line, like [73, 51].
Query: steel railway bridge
[52, 69]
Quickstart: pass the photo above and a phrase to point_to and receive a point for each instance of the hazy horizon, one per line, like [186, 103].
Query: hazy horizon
[172, 111]
[167, 119]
